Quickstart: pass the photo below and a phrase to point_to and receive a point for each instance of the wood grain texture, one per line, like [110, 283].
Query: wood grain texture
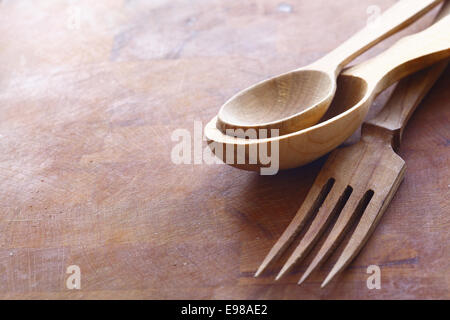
[87, 117]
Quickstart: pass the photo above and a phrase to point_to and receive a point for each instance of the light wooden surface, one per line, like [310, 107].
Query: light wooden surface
[87, 118]
[298, 99]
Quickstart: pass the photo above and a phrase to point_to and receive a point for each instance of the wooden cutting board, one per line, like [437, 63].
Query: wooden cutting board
[91, 93]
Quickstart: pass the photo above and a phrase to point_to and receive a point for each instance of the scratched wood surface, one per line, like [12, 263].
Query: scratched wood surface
[90, 93]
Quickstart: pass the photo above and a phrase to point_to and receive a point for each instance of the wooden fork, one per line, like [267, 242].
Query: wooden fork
[355, 180]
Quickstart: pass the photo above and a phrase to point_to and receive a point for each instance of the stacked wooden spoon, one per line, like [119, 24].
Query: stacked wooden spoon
[290, 110]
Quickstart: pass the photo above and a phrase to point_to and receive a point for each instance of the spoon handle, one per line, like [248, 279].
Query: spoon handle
[408, 55]
[397, 17]
[404, 100]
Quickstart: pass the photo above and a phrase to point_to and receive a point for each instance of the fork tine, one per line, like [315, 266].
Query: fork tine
[332, 203]
[314, 198]
[355, 204]
[369, 220]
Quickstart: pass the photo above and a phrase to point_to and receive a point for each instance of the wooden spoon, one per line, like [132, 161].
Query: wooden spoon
[356, 89]
[298, 99]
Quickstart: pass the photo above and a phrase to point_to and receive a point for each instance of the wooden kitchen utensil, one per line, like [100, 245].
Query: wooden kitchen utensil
[356, 89]
[361, 178]
[298, 99]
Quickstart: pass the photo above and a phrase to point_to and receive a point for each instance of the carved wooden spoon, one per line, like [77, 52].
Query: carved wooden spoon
[357, 87]
[298, 99]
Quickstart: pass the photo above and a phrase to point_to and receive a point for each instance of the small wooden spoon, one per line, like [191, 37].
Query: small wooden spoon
[357, 87]
[298, 99]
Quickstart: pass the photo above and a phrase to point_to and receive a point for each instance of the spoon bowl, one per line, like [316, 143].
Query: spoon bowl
[345, 114]
[288, 102]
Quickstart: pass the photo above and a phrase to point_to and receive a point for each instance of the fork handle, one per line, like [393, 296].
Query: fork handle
[404, 100]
